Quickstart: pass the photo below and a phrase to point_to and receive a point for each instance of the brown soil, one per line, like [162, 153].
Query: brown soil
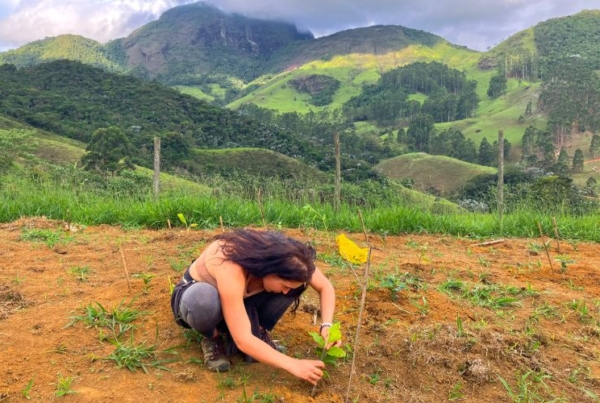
[423, 345]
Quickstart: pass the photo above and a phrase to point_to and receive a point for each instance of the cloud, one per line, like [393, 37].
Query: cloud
[97, 19]
[474, 23]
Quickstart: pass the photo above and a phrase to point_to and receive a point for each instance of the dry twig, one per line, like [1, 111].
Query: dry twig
[544, 243]
[125, 266]
[488, 243]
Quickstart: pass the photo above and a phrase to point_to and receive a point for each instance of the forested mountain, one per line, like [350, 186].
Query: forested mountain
[198, 44]
[395, 89]
[75, 100]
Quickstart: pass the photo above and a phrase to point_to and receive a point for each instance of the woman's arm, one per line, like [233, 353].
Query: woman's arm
[323, 286]
[231, 282]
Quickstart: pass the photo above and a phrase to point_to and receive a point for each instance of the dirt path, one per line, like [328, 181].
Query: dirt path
[462, 317]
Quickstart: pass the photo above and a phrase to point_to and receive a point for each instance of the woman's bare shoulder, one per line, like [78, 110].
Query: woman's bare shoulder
[216, 263]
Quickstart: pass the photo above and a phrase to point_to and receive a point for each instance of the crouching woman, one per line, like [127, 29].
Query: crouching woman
[240, 286]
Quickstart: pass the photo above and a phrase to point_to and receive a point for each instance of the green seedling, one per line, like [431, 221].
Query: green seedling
[63, 387]
[312, 217]
[146, 278]
[456, 392]
[331, 355]
[132, 356]
[80, 272]
[27, 389]
[118, 320]
[135, 356]
[564, 261]
[394, 284]
[184, 222]
[49, 237]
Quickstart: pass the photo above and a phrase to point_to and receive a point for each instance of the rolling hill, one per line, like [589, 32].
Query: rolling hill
[431, 173]
[232, 60]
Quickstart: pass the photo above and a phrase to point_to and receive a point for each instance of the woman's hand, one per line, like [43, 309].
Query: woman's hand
[325, 335]
[309, 370]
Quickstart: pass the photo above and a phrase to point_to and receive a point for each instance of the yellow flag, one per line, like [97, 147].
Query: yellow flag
[350, 251]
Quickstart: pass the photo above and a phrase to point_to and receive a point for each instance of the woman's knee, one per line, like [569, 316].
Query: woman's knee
[200, 307]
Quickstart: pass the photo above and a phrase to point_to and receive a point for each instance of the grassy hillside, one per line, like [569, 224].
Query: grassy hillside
[431, 171]
[252, 162]
[70, 47]
[353, 71]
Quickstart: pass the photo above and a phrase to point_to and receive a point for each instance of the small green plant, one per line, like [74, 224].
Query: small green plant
[27, 389]
[564, 261]
[256, 396]
[374, 378]
[183, 220]
[312, 217]
[327, 352]
[483, 261]
[394, 284]
[582, 309]
[527, 388]
[451, 285]
[135, 356]
[80, 272]
[118, 320]
[18, 280]
[456, 392]
[63, 387]
[146, 278]
[49, 237]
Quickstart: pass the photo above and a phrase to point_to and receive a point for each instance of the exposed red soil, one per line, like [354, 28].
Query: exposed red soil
[423, 345]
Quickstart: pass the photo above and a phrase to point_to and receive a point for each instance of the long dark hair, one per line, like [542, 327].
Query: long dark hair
[270, 252]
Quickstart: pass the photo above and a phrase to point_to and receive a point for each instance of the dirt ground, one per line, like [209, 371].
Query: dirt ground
[445, 319]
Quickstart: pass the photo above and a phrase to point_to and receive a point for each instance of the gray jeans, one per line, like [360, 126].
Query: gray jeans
[200, 308]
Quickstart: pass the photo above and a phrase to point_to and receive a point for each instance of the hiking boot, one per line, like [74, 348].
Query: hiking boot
[214, 354]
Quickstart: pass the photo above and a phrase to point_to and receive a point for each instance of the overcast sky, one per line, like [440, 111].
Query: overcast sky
[477, 24]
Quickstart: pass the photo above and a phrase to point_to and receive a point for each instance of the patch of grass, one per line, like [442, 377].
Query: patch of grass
[63, 386]
[146, 278]
[528, 387]
[27, 389]
[80, 272]
[118, 320]
[256, 396]
[49, 237]
[488, 296]
[132, 356]
[450, 286]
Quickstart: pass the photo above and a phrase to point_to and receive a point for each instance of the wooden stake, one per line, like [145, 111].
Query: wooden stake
[156, 173]
[169, 223]
[545, 246]
[125, 266]
[556, 234]
[363, 298]
[338, 173]
[363, 225]
[260, 207]
[221, 221]
[488, 243]
[501, 178]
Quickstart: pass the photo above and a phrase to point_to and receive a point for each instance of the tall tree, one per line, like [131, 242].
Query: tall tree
[108, 152]
[595, 146]
[562, 164]
[497, 85]
[578, 161]
[486, 155]
[419, 132]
